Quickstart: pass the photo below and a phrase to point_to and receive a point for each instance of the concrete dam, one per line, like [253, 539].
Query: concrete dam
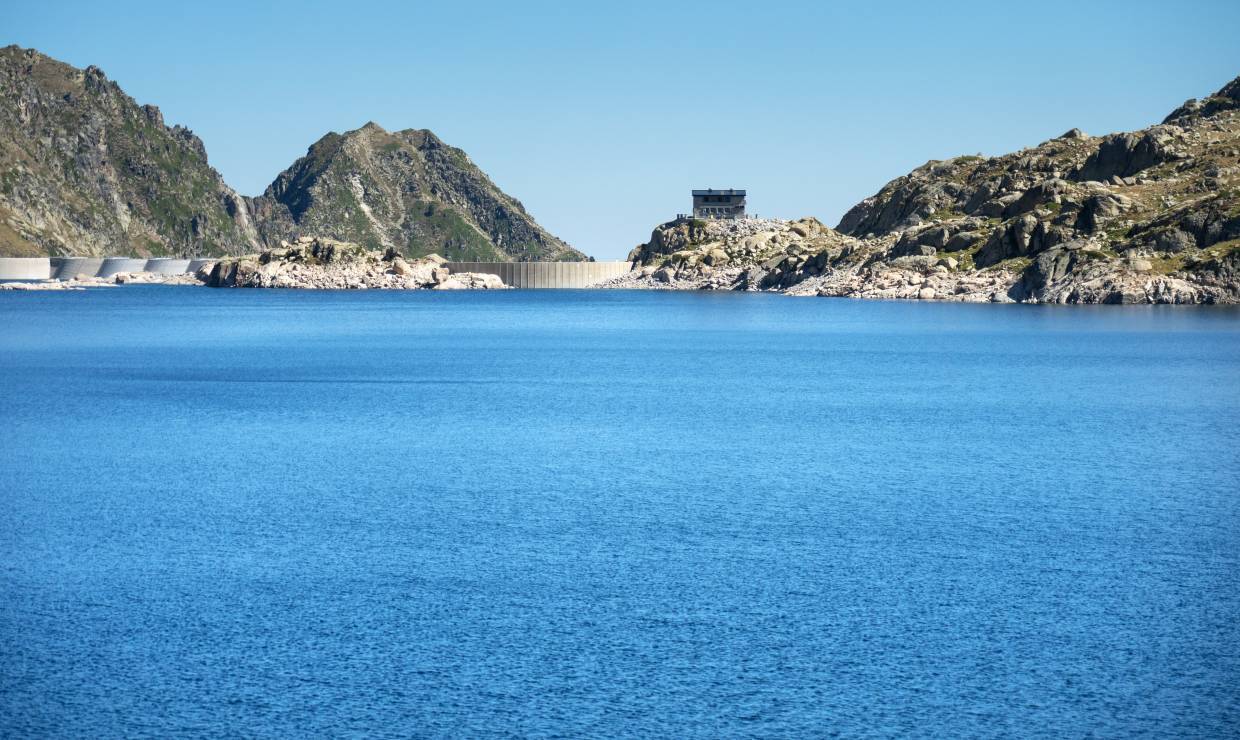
[547, 274]
[528, 275]
[67, 268]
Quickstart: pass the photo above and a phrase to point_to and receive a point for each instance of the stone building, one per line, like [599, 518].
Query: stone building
[719, 203]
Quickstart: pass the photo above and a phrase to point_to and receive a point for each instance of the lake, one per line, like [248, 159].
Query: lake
[603, 513]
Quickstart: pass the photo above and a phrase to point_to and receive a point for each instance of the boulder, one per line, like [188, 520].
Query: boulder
[963, 240]
[753, 278]
[1097, 209]
[1045, 192]
[996, 207]
[1049, 267]
[807, 227]
[919, 263]
[1174, 240]
[223, 275]
[1017, 239]
[471, 281]
[1122, 155]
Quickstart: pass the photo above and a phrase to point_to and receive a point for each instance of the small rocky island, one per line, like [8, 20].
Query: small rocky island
[328, 264]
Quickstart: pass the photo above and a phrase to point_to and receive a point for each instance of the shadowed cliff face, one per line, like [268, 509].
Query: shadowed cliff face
[85, 170]
[406, 191]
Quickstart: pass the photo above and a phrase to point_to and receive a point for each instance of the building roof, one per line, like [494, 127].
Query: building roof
[718, 192]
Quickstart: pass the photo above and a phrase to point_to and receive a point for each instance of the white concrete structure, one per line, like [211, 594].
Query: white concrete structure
[113, 265]
[167, 265]
[547, 274]
[25, 268]
[67, 268]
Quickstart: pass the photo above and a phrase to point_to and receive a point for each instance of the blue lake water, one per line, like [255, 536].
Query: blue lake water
[615, 513]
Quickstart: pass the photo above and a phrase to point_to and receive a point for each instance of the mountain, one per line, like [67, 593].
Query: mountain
[1151, 216]
[86, 170]
[402, 190]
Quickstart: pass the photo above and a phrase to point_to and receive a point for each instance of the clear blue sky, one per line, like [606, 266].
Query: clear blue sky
[602, 117]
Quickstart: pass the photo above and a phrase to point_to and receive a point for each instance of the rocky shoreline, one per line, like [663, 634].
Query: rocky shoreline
[83, 282]
[308, 263]
[1151, 216]
[313, 263]
[806, 258]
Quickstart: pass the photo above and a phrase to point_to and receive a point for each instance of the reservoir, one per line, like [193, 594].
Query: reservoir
[597, 513]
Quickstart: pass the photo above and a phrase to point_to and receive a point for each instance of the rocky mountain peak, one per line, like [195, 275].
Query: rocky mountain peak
[405, 190]
[1226, 99]
[84, 169]
[1166, 198]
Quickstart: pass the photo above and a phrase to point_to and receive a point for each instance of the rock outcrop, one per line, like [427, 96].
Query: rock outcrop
[328, 264]
[1146, 217]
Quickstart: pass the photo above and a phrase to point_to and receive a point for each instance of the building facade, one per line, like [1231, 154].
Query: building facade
[719, 203]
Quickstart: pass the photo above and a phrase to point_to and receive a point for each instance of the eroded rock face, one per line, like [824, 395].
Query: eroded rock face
[329, 264]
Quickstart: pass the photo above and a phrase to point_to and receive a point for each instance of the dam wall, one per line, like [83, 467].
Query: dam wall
[167, 266]
[113, 265]
[534, 275]
[67, 268]
[25, 268]
[547, 274]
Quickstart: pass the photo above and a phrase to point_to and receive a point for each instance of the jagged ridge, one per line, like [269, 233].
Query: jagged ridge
[85, 170]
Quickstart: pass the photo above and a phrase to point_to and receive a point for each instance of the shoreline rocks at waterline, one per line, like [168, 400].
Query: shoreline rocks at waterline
[314, 263]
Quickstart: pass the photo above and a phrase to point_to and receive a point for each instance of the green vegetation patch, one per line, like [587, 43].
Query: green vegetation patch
[13, 245]
[964, 258]
[1166, 265]
[1117, 234]
[945, 214]
[435, 229]
[1015, 264]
